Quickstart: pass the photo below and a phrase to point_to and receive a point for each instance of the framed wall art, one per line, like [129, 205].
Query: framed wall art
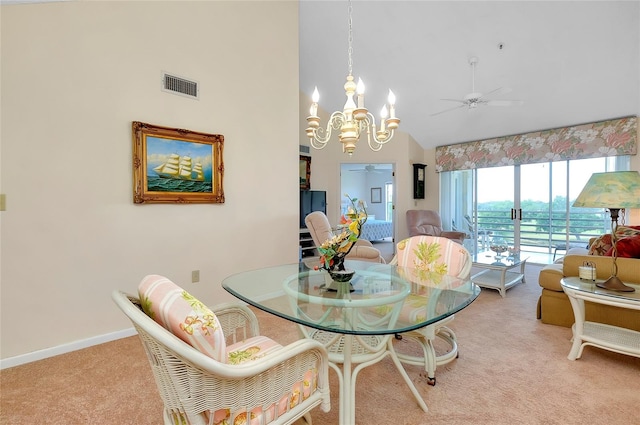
[376, 195]
[175, 166]
[305, 172]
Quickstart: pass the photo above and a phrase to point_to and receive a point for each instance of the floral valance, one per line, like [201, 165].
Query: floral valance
[593, 140]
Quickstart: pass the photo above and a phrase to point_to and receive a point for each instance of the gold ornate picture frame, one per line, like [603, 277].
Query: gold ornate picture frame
[175, 166]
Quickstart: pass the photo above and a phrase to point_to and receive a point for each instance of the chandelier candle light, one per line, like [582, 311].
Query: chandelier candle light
[614, 191]
[354, 118]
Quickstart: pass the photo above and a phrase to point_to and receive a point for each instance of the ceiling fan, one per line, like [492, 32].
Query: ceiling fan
[475, 99]
[367, 169]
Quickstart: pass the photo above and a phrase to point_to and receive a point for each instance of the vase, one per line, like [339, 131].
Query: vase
[341, 280]
[341, 275]
[498, 245]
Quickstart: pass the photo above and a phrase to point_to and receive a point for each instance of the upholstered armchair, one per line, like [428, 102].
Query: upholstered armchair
[320, 230]
[211, 366]
[428, 222]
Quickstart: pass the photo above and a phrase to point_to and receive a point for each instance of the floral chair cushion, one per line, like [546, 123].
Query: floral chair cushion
[183, 315]
[436, 264]
[251, 349]
[433, 256]
[258, 416]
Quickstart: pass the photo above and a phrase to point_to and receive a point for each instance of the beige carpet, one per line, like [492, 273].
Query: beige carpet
[512, 369]
[386, 247]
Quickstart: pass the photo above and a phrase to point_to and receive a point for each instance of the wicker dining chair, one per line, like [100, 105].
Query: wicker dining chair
[280, 387]
[452, 263]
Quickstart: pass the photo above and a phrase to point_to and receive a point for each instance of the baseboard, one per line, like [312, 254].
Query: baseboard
[65, 348]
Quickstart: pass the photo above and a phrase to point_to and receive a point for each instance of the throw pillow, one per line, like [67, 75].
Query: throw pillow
[624, 231]
[601, 245]
[183, 315]
[628, 247]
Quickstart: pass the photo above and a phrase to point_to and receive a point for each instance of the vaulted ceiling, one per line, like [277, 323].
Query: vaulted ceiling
[571, 62]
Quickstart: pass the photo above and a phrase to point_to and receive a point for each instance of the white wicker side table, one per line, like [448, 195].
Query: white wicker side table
[500, 274]
[613, 338]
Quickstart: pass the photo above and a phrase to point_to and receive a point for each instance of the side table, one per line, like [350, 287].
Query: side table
[613, 338]
[498, 274]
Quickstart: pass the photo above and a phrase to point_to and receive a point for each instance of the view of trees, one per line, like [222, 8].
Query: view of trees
[537, 221]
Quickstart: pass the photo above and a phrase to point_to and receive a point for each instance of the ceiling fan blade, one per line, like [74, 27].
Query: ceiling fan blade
[505, 103]
[498, 91]
[367, 169]
[450, 109]
[455, 100]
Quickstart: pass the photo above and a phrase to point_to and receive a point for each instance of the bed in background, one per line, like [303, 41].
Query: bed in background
[374, 230]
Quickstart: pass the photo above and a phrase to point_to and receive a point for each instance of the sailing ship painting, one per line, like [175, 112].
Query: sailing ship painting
[178, 166]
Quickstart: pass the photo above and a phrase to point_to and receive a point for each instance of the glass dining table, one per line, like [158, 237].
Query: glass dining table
[356, 320]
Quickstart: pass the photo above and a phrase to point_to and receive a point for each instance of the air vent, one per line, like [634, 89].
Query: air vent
[304, 149]
[178, 85]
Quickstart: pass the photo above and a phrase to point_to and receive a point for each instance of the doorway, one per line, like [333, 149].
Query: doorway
[374, 184]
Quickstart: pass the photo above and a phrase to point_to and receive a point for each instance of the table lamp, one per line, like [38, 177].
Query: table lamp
[614, 191]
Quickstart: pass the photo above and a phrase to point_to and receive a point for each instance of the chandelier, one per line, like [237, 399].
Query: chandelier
[354, 119]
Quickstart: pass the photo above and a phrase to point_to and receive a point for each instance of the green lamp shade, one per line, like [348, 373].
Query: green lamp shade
[619, 189]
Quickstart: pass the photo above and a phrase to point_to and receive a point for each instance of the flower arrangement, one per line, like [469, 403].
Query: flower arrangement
[334, 250]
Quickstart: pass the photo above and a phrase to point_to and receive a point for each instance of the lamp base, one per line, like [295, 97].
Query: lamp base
[614, 284]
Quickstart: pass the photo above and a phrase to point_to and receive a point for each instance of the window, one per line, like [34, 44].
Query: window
[530, 205]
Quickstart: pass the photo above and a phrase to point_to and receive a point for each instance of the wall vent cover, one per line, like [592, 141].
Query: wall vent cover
[304, 149]
[180, 86]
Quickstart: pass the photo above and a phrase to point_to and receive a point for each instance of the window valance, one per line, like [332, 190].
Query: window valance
[593, 140]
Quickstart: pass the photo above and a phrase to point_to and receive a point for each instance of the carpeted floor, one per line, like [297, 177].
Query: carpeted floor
[512, 369]
[386, 247]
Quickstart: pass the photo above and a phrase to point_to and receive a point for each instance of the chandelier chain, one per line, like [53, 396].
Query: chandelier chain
[350, 51]
[355, 119]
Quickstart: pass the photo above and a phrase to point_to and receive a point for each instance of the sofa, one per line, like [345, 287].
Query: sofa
[554, 306]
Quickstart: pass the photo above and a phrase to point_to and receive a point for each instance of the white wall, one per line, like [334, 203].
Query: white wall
[74, 76]
[358, 184]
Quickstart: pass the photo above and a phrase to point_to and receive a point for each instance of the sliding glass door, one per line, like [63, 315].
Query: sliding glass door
[529, 206]
[494, 212]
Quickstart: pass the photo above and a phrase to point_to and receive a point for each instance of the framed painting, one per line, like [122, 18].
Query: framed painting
[376, 195]
[175, 166]
[305, 172]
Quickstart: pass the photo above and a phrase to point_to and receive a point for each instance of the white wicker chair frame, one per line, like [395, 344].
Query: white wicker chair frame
[350, 353]
[193, 386]
[426, 336]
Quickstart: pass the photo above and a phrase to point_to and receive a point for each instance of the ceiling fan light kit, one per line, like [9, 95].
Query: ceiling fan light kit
[475, 99]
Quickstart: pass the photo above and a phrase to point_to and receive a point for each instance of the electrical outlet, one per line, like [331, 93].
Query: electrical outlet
[195, 276]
